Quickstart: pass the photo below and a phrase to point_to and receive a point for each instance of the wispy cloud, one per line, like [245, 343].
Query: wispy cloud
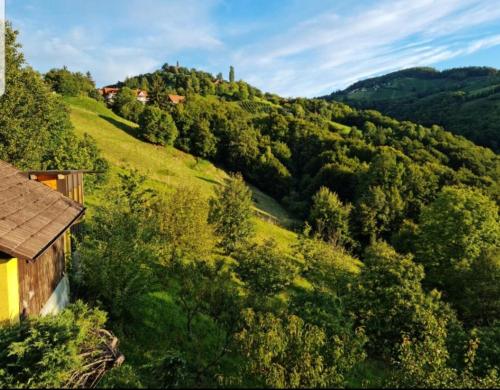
[138, 37]
[297, 48]
[329, 51]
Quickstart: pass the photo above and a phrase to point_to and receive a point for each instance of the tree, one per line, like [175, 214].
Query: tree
[425, 364]
[209, 303]
[325, 265]
[231, 74]
[68, 83]
[157, 126]
[157, 91]
[381, 205]
[389, 301]
[289, 353]
[265, 269]
[477, 301]
[126, 104]
[243, 93]
[455, 230]
[330, 217]
[203, 141]
[35, 127]
[116, 271]
[182, 226]
[231, 213]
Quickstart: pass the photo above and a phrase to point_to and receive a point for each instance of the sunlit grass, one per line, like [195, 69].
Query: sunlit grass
[167, 168]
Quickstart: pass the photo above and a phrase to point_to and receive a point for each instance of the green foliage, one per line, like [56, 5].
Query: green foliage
[125, 104]
[116, 256]
[288, 353]
[455, 231]
[231, 212]
[330, 217]
[45, 352]
[326, 265]
[381, 206]
[488, 352]
[157, 91]
[203, 142]
[388, 299]
[68, 83]
[231, 74]
[478, 301]
[265, 269]
[35, 129]
[182, 321]
[424, 364]
[463, 100]
[182, 225]
[157, 126]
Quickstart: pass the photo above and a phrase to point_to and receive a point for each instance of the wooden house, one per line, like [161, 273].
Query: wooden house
[35, 218]
[109, 93]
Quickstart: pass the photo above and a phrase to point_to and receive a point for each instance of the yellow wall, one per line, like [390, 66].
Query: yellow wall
[67, 243]
[51, 183]
[9, 291]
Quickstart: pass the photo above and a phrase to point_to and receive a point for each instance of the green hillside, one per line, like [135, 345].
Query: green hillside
[465, 101]
[167, 167]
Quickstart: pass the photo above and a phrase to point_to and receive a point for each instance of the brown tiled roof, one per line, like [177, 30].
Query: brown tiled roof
[108, 90]
[32, 215]
[176, 98]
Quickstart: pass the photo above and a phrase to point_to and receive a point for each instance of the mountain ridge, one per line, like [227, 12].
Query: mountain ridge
[465, 101]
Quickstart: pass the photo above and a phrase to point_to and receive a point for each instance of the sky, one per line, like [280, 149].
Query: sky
[290, 47]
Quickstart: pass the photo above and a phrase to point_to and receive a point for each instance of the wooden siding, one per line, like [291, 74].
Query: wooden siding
[38, 279]
[72, 186]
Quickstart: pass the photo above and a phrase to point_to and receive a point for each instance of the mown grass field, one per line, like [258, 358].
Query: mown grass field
[166, 167]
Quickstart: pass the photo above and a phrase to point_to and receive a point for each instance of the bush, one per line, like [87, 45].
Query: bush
[288, 353]
[45, 352]
[265, 269]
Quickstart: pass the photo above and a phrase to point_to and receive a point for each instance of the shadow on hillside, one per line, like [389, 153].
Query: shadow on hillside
[208, 180]
[122, 126]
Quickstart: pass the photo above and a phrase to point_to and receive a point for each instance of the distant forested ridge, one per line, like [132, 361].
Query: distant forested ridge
[465, 101]
[291, 148]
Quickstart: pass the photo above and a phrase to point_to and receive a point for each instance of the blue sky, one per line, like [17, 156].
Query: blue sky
[294, 48]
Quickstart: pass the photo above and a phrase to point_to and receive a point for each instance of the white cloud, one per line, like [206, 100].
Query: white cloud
[329, 52]
[138, 38]
[315, 55]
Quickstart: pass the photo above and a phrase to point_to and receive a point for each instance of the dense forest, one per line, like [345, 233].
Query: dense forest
[393, 279]
[466, 101]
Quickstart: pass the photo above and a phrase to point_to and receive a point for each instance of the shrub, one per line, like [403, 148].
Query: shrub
[47, 351]
[265, 269]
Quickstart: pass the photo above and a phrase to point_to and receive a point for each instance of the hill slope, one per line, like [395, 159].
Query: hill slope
[465, 101]
[167, 167]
